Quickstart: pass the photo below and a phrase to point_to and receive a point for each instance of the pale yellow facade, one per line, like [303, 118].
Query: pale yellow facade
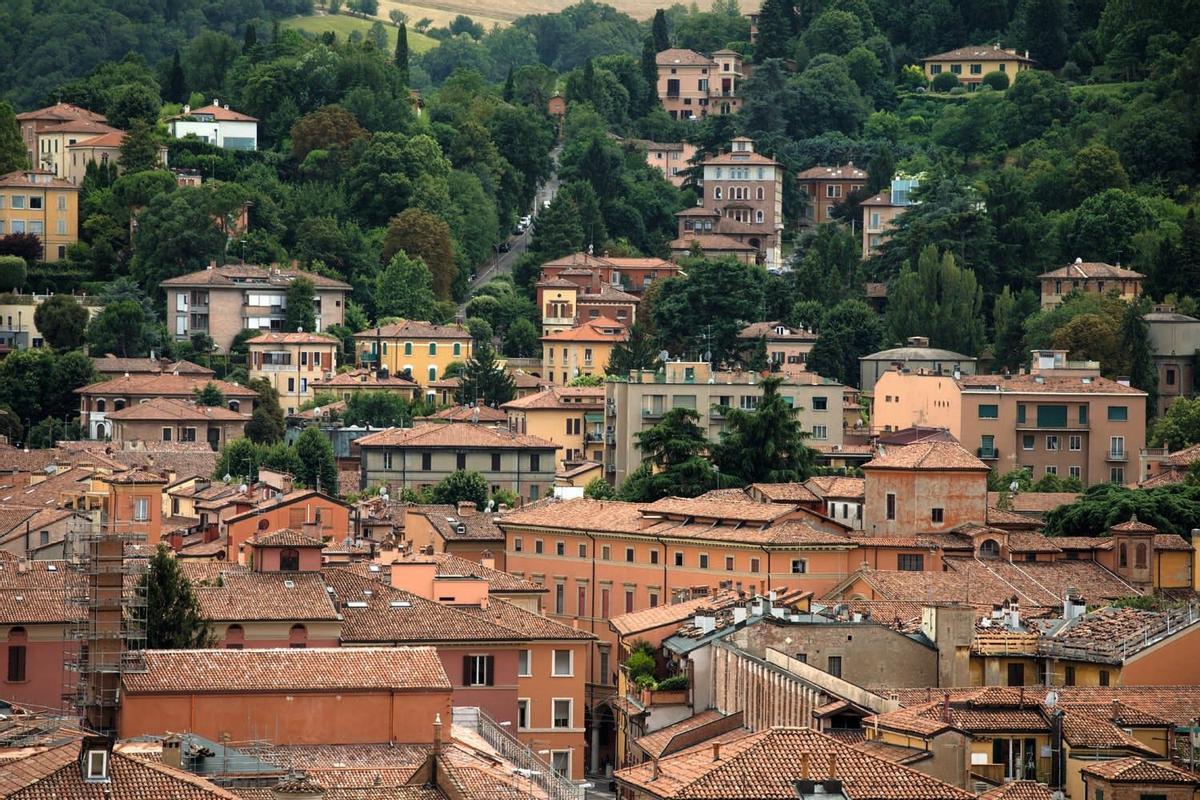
[292, 363]
[422, 350]
[571, 417]
[562, 362]
[17, 328]
[37, 202]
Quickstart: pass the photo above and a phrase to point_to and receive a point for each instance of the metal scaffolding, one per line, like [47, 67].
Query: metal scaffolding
[107, 634]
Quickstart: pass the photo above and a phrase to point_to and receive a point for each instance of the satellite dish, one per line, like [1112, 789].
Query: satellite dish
[663, 355]
[708, 355]
[1014, 486]
[227, 477]
[243, 488]
[1051, 699]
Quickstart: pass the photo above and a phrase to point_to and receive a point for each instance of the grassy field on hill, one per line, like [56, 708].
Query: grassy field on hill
[344, 26]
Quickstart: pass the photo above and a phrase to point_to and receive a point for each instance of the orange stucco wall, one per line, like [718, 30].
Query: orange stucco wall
[961, 495]
[44, 652]
[541, 687]
[348, 717]
[335, 522]
[1170, 663]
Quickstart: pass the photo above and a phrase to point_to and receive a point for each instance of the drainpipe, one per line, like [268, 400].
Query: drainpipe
[666, 589]
[592, 612]
[768, 552]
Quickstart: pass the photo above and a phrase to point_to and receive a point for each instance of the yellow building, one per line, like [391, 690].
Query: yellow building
[423, 350]
[970, 64]
[292, 363]
[17, 328]
[35, 201]
[344, 384]
[582, 350]
[570, 416]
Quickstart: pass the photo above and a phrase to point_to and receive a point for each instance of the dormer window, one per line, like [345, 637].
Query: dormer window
[95, 765]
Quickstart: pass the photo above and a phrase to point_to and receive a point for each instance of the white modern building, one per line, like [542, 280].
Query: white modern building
[217, 125]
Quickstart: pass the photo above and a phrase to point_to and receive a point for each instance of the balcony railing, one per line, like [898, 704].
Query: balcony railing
[593, 437]
[649, 413]
[987, 453]
[1117, 455]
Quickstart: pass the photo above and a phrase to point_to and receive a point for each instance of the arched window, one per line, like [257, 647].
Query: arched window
[433, 348]
[118, 405]
[758, 215]
[457, 349]
[235, 637]
[101, 405]
[16, 655]
[298, 637]
[1123, 555]
[433, 373]
[989, 548]
[762, 195]
[717, 193]
[1140, 554]
[235, 405]
[289, 560]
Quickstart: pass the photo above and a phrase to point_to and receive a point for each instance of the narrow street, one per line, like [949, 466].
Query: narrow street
[501, 263]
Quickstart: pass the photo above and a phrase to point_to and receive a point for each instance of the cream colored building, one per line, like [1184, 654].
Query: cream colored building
[54, 142]
[570, 416]
[292, 363]
[970, 64]
[38, 202]
[639, 401]
[1089, 277]
[17, 327]
[422, 350]
[582, 350]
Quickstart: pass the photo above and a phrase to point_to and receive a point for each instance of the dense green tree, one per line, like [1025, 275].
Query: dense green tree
[300, 306]
[674, 462]
[120, 329]
[559, 230]
[484, 381]
[318, 466]
[1171, 509]
[210, 395]
[649, 69]
[944, 82]
[639, 351]
[599, 489]
[175, 235]
[13, 155]
[173, 618]
[266, 423]
[378, 409]
[400, 57]
[828, 268]
[658, 31]
[766, 444]
[1009, 312]
[1103, 227]
[1096, 168]
[139, 151]
[61, 322]
[521, 339]
[459, 486]
[37, 383]
[707, 308]
[848, 332]
[404, 289]
[422, 235]
[1135, 344]
[940, 300]
[997, 80]
[133, 102]
[1040, 26]
[775, 28]
[833, 31]
[329, 128]
[13, 273]
[1179, 427]
[176, 88]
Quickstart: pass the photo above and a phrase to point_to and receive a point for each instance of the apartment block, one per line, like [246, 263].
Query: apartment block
[1061, 418]
[570, 416]
[17, 327]
[40, 203]
[826, 187]
[1174, 342]
[787, 347]
[582, 350]
[418, 458]
[915, 356]
[292, 363]
[673, 158]
[637, 402]
[222, 301]
[33, 122]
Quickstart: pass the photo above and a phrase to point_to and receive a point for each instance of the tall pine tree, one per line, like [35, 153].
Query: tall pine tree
[401, 57]
[173, 619]
[484, 381]
[774, 30]
[1135, 340]
[649, 74]
[765, 445]
[250, 39]
[508, 85]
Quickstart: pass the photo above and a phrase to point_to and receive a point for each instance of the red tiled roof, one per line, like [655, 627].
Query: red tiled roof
[366, 379]
[1132, 525]
[219, 113]
[566, 398]
[151, 386]
[293, 337]
[682, 57]
[650, 618]
[284, 537]
[170, 409]
[838, 173]
[265, 597]
[60, 111]
[479, 413]
[1018, 790]
[765, 764]
[415, 329]
[987, 52]
[600, 329]
[785, 492]
[1139, 770]
[710, 241]
[250, 276]
[428, 436]
[317, 669]
[1047, 384]
[1092, 269]
[928, 455]
[35, 179]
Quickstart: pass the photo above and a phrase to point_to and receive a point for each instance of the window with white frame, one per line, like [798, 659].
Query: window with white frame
[522, 713]
[524, 664]
[564, 664]
[562, 713]
[141, 509]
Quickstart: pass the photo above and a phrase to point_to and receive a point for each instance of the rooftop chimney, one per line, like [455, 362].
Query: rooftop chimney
[832, 766]
[172, 751]
[437, 734]
[466, 508]
[654, 770]
[804, 765]
[717, 749]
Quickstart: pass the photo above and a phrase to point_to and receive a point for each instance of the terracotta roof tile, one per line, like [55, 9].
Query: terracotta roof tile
[682, 57]
[431, 436]
[1018, 790]
[1034, 502]
[169, 409]
[1047, 384]
[293, 337]
[526, 623]
[838, 173]
[1139, 770]
[364, 379]
[565, 398]
[1132, 525]
[288, 669]
[219, 113]
[929, 455]
[600, 329]
[832, 486]
[987, 52]
[714, 509]
[247, 276]
[654, 743]
[765, 765]
[481, 413]
[115, 365]
[768, 329]
[267, 596]
[284, 537]
[184, 386]
[785, 492]
[1183, 458]
[650, 618]
[1092, 269]
[415, 329]
[478, 525]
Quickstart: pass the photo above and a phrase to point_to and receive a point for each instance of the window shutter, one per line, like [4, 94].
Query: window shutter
[468, 662]
[489, 676]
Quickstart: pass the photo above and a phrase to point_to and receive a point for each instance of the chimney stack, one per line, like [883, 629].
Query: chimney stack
[804, 764]
[832, 766]
[717, 748]
[437, 734]
[655, 773]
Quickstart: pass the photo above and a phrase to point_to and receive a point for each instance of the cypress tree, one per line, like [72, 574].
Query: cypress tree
[1135, 340]
[176, 82]
[401, 57]
[13, 155]
[508, 85]
[649, 73]
[774, 30]
[250, 39]
[658, 29]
